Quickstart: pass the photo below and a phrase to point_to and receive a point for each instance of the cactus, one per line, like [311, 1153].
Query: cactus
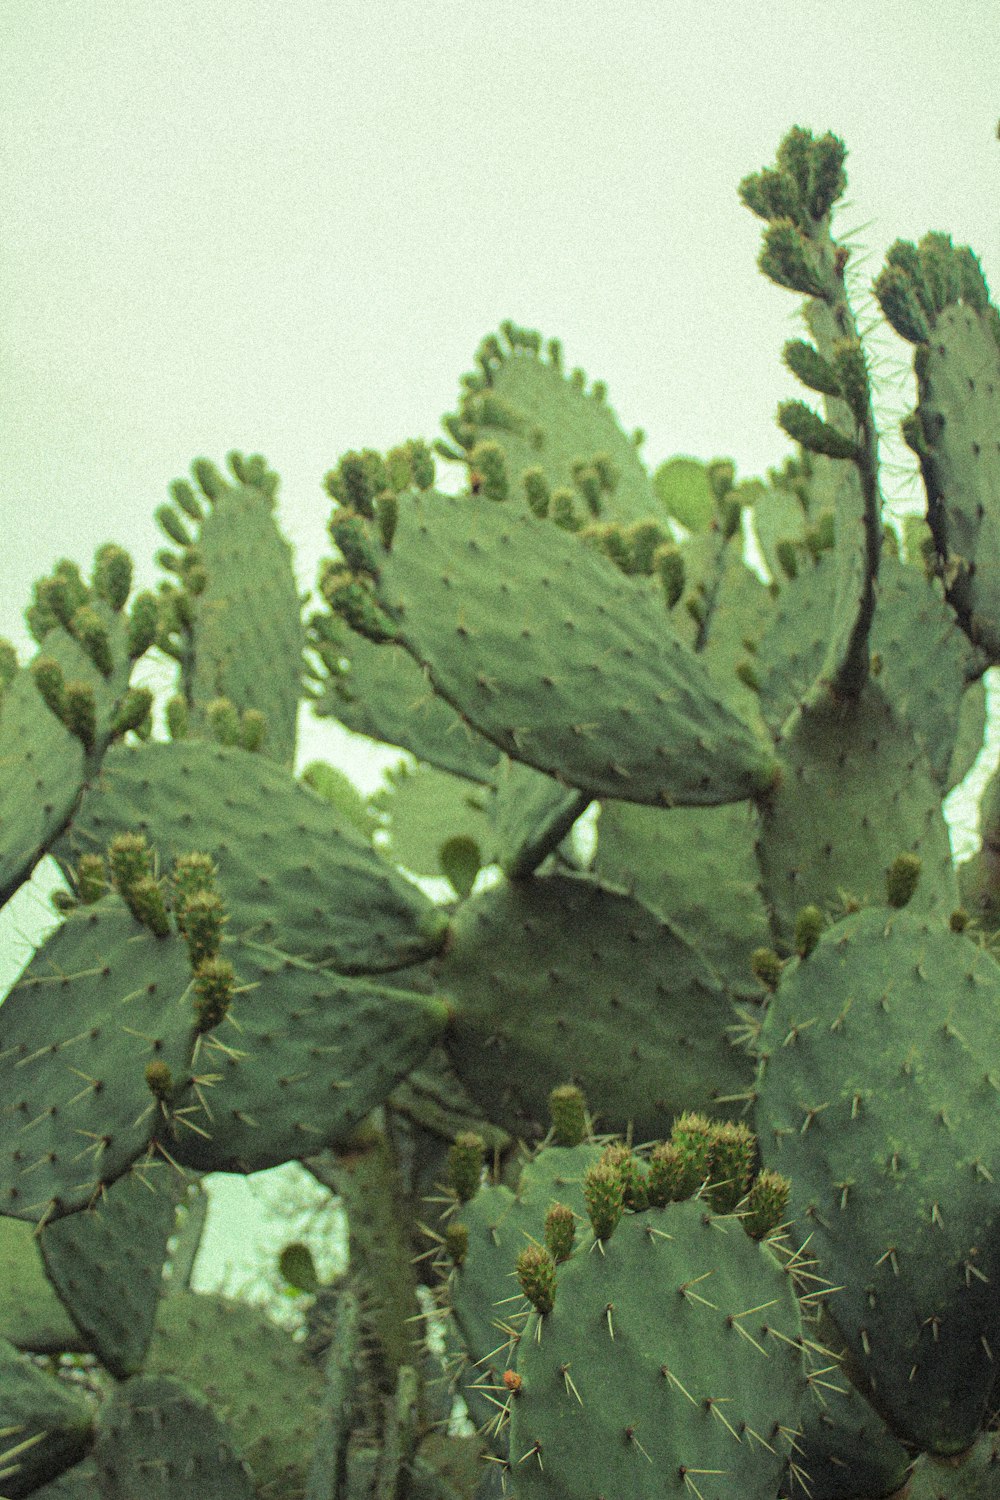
[763, 980]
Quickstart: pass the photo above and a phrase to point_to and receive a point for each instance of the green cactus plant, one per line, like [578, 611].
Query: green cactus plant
[763, 975]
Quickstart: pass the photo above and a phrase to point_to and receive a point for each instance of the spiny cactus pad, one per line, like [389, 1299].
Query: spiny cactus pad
[295, 873]
[45, 1425]
[877, 1096]
[673, 1356]
[31, 1316]
[160, 1438]
[548, 650]
[556, 977]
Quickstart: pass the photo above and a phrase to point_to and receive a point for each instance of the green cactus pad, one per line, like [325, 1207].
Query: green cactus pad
[42, 775]
[294, 872]
[77, 1483]
[671, 1356]
[531, 815]
[160, 1439]
[302, 1057]
[555, 978]
[31, 1316]
[427, 807]
[975, 1478]
[101, 999]
[45, 1425]
[247, 635]
[856, 792]
[563, 662]
[877, 1096]
[386, 695]
[696, 867]
[262, 1384]
[550, 422]
[106, 1263]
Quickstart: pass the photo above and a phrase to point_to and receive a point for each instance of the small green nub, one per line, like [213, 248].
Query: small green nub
[606, 472]
[588, 482]
[90, 878]
[253, 730]
[387, 518]
[8, 663]
[224, 721]
[665, 1182]
[605, 1198]
[200, 919]
[214, 985]
[465, 1165]
[159, 1081]
[183, 495]
[694, 1137]
[721, 476]
[852, 376]
[178, 719]
[461, 860]
[901, 879]
[50, 682]
[629, 1169]
[668, 565]
[297, 1267]
[747, 674]
[112, 575]
[766, 966]
[802, 424]
[959, 919]
[421, 464]
[350, 535]
[568, 1112]
[563, 510]
[805, 361]
[144, 899]
[142, 624]
[133, 709]
[208, 478]
[827, 178]
[80, 713]
[560, 1231]
[809, 925]
[130, 859]
[766, 1205]
[785, 259]
[456, 1242]
[644, 539]
[172, 526]
[536, 1271]
[732, 1165]
[488, 471]
[536, 489]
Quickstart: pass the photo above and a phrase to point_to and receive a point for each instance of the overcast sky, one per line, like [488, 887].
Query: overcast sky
[285, 227]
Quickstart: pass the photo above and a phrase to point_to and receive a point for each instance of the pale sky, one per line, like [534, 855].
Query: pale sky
[285, 227]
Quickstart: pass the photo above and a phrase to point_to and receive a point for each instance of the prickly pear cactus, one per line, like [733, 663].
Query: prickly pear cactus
[697, 897]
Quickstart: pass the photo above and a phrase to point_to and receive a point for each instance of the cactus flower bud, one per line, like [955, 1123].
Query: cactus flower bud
[112, 575]
[456, 1242]
[213, 989]
[80, 713]
[224, 721]
[536, 1271]
[91, 878]
[536, 489]
[159, 1080]
[568, 1110]
[50, 682]
[465, 1165]
[201, 918]
[144, 899]
[809, 925]
[132, 711]
[732, 1165]
[803, 425]
[766, 1204]
[143, 620]
[665, 1182]
[901, 879]
[605, 1198]
[253, 730]
[560, 1231]
[766, 966]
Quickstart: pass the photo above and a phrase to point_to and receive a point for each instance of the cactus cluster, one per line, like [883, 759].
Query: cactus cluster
[667, 1152]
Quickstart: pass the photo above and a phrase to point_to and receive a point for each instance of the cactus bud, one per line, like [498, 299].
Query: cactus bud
[488, 476]
[177, 717]
[644, 539]
[816, 436]
[809, 925]
[606, 472]
[50, 682]
[555, 353]
[421, 464]
[350, 535]
[184, 496]
[786, 259]
[159, 1081]
[563, 510]
[130, 859]
[456, 1242]
[588, 483]
[629, 1169]
[297, 1267]
[465, 1165]
[766, 966]
[901, 879]
[900, 304]
[142, 624]
[730, 513]
[213, 989]
[536, 489]
[80, 713]
[536, 1271]
[805, 361]
[827, 178]
[731, 1165]
[568, 1110]
[208, 479]
[560, 1231]
[112, 575]
[253, 730]
[693, 1135]
[668, 565]
[605, 1198]
[8, 663]
[387, 517]
[131, 712]
[460, 859]
[959, 919]
[397, 467]
[144, 899]
[766, 1205]
[172, 526]
[852, 376]
[770, 194]
[90, 878]
[201, 918]
[747, 674]
[192, 873]
[665, 1182]
[223, 721]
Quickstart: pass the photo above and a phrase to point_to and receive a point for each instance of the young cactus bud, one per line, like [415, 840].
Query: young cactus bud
[224, 721]
[208, 479]
[91, 878]
[253, 730]
[465, 1165]
[80, 713]
[901, 879]
[172, 526]
[214, 986]
[488, 471]
[721, 476]
[421, 464]
[132, 710]
[184, 496]
[605, 1198]
[387, 518]
[112, 575]
[805, 361]
[587, 481]
[563, 510]
[809, 925]
[644, 539]
[668, 565]
[560, 1231]
[192, 873]
[159, 1081]
[787, 555]
[732, 1165]
[694, 1136]
[456, 1242]
[770, 194]
[50, 682]
[350, 535]
[633, 1179]
[130, 858]
[8, 663]
[201, 918]
[143, 621]
[766, 966]
[568, 1111]
[730, 513]
[898, 299]
[536, 488]
[606, 472]
[959, 919]
[144, 899]
[786, 259]
[747, 674]
[803, 425]
[460, 859]
[536, 1271]
[665, 1183]
[178, 719]
[766, 1205]
[827, 178]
